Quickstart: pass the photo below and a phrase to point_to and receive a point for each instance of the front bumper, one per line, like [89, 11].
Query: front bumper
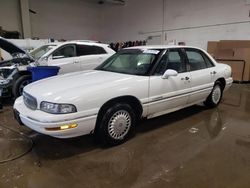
[85, 125]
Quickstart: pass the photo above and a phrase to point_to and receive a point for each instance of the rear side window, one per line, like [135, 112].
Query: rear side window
[196, 60]
[89, 50]
[208, 61]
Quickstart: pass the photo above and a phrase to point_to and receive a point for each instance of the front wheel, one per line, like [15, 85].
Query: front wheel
[215, 96]
[116, 125]
[19, 84]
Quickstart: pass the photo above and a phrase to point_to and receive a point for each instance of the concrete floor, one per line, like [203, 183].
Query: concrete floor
[192, 148]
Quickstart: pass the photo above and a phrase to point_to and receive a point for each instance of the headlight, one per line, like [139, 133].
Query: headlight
[53, 108]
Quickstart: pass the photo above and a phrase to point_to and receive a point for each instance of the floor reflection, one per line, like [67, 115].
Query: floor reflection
[194, 147]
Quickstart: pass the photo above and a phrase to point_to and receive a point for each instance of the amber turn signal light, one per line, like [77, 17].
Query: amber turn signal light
[63, 127]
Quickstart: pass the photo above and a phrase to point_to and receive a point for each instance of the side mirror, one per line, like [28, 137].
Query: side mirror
[41, 61]
[46, 58]
[168, 73]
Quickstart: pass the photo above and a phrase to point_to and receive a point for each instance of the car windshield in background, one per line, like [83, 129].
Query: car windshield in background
[132, 61]
[39, 52]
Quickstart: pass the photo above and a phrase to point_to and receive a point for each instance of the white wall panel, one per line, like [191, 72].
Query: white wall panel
[65, 19]
[138, 19]
[196, 14]
[123, 23]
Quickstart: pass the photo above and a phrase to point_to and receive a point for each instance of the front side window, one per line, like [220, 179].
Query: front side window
[171, 60]
[65, 52]
[196, 60]
[135, 62]
[89, 50]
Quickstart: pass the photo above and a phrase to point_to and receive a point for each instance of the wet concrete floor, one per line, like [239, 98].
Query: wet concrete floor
[194, 147]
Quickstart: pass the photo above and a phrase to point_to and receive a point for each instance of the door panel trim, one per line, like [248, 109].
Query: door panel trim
[160, 99]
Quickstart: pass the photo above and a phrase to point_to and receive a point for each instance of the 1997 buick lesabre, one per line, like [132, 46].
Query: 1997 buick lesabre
[138, 82]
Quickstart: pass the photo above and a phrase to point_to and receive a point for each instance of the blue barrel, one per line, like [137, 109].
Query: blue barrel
[41, 72]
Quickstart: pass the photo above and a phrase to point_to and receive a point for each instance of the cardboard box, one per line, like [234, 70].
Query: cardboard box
[212, 47]
[237, 69]
[235, 53]
[224, 54]
[229, 44]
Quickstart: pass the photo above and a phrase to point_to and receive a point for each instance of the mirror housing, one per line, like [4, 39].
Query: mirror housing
[168, 73]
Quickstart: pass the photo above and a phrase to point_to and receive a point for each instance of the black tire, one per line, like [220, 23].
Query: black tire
[125, 127]
[215, 96]
[19, 84]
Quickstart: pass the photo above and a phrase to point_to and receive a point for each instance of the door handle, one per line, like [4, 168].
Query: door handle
[76, 61]
[186, 78]
[214, 72]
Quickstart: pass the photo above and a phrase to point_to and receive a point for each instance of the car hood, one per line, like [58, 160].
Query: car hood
[74, 85]
[10, 47]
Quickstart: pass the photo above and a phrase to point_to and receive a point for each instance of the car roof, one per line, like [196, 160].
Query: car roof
[53, 44]
[161, 47]
[90, 43]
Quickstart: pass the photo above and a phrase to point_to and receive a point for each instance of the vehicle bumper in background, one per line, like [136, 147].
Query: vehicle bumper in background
[84, 125]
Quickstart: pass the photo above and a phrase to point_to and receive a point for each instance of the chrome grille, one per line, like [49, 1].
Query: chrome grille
[30, 101]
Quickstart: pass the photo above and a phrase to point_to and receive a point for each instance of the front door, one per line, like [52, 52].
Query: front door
[169, 94]
[65, 58]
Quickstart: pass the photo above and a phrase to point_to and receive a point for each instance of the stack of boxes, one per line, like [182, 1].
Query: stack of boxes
[235, 53]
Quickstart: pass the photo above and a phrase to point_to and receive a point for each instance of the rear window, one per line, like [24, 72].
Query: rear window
[89, 50]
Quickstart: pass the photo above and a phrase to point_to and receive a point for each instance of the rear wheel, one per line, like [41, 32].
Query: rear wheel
[215, 96]
[19, 84]
[116, 125]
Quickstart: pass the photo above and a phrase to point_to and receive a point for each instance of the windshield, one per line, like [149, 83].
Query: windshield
[39, 52]
[130, 61]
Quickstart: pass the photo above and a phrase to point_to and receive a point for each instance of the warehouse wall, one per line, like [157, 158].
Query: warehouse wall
[204, 17]
[126, 22]
[191, 21]
[65, 19]
[163, 21]
[10, 15]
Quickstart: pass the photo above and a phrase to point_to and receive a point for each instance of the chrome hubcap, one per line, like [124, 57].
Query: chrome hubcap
[119, 125]
[216, 95]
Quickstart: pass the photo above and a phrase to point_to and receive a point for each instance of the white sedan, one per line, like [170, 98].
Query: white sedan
[138, 82]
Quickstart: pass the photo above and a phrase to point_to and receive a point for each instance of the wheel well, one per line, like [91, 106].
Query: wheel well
[21, 73]
[131, 100]
[222, 81]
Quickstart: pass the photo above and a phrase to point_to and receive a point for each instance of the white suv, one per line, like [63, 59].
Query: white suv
[70, 56]
[73, 56]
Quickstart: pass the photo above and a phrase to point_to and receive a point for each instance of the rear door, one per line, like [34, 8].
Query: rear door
[172, 93]
[90, 56]
[201, 72]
